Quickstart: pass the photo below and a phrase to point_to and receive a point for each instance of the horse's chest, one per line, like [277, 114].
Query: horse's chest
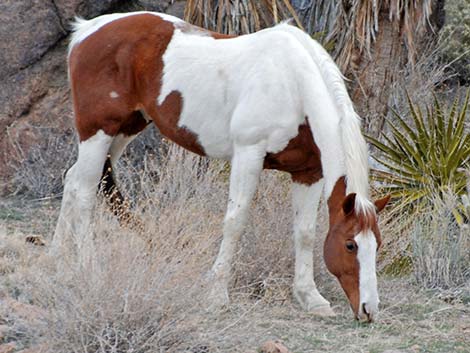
[300, 158]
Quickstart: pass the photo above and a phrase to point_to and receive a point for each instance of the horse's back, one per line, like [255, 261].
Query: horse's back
[243, 89]
[204, 91]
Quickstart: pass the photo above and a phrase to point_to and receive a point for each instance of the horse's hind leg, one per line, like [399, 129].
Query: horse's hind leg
[81, 182]
[108, 184]
[247, 164]
[305, 201]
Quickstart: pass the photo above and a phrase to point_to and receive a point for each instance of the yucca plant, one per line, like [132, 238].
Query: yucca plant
[427, 155]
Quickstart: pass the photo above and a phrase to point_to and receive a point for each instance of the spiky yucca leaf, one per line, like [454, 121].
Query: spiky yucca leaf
[427, 155]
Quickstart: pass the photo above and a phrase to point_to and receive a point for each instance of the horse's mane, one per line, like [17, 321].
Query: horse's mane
[354, 145]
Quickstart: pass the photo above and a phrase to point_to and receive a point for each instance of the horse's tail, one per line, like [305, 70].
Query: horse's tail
[79, 27]
[354, 144]
[115, 200]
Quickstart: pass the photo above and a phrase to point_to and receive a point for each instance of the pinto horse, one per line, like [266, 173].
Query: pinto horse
[273, 99]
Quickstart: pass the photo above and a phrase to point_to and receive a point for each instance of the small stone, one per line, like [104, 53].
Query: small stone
[274, 347]
[35, 240]
[7, 348]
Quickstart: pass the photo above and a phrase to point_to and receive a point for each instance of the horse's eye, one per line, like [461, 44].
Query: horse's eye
[351, 245]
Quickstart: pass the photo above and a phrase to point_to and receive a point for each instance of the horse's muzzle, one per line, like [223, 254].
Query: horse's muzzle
[366, 313]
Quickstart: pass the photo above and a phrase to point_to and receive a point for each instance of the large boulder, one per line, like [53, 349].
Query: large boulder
[35, 107]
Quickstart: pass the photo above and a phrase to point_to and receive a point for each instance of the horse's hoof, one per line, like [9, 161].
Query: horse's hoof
[217, 292]
[323, 311]
[313, 302]
[218, 298]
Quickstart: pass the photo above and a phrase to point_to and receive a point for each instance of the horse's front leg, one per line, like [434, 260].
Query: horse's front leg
[246, 166]
[305, 201]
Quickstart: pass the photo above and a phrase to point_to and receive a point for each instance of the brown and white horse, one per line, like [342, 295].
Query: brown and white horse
[273, 99]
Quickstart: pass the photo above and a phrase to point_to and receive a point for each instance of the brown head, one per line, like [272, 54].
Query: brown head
[350, 248]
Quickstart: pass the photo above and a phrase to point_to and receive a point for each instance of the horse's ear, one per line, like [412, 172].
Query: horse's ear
[380, 204]
[349, 204]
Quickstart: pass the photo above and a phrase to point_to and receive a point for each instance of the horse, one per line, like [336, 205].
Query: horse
[273, 99]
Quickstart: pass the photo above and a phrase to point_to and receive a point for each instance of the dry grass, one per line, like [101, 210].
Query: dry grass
[38, 170]
[440, 247]
[421, 80]
[124, 298]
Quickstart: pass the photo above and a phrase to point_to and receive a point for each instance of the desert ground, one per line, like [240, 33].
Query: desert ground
[122, 297]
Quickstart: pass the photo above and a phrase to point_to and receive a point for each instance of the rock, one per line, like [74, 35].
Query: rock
[68, 9]
[34, 92]
[29, 29]
[34, 95]
[35, 240]
[176, 8]
[273, 347]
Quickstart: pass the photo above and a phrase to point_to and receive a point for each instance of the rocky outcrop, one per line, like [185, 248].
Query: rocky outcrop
[35, 102]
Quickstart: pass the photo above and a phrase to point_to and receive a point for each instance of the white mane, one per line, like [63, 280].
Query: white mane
[354, 145]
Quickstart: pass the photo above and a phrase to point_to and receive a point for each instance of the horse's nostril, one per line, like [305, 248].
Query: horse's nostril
[364, 310]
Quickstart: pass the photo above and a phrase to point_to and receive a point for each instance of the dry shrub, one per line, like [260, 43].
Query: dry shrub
[120, 295]
[264, 265]
[440, 247]
[189, 197]
[420, 79]
[38, 169]
[121, 299]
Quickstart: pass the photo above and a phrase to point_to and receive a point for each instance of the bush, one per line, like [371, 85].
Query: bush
[120, 296]
[440, 246]
[426, 156]
[38, 171]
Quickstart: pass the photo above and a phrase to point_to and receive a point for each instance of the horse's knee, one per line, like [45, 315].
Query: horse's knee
[305, 236]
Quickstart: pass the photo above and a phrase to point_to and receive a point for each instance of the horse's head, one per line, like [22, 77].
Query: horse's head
[351, 246]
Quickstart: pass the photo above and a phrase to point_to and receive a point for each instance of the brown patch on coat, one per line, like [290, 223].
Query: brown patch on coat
[125, 56]
[166, 117]
[300, 158]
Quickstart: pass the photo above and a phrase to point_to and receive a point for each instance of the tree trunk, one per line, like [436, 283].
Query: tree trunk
[374, 74]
